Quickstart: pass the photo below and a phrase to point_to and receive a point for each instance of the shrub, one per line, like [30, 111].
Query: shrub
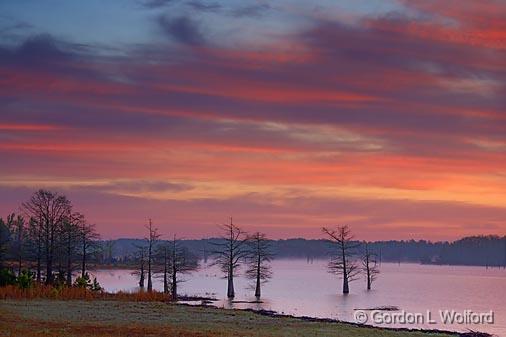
[60, 280]
[25, 279]
[96, 286]
[83, 282]
[7, 277]
[75, 293]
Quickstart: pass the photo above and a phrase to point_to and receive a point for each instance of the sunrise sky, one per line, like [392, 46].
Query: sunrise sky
[388, 116]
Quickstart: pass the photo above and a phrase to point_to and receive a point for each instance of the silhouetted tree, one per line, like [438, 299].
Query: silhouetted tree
[151, 240]
[10, 223]
[17, 227]
[258, 260]
[163, 256]
[229, 252]
[88, 240]
[341, 262]
[4, 240]
[70, 234]
[35, 238]
[52, 209]
[369, 266]
[140, 256]
[177, 261]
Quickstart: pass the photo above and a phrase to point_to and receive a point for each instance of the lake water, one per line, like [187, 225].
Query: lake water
[305, 289]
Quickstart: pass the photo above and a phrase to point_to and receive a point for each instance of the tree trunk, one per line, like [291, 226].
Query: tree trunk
[346, 288]
[257, 288]
[49, 272]
[368, 275]
[165, 283]
[20, 247]
[83, 265]
[165, 280]
[174, 286]
[141, 280]
[50, 275]
[230, 285]
[230, 290]
[69, 277]
[83, 261]
[150, 283]
[368, 270]
[39, 276]
[39, 252]
[69, 264]
[49, 266]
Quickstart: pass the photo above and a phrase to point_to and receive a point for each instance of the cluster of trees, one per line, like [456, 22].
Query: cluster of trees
[170, 260]
[343, 261]
[165, 259]
[51, 242]
[482, 250]
[48, 238]
[237, 248]
[476, 250]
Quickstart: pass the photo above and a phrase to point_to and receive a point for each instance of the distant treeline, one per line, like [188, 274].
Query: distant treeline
[475, 250]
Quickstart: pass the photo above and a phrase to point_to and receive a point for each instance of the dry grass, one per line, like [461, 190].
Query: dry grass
[104, 318]
[142, 296]
[73, 293]
[14, 326]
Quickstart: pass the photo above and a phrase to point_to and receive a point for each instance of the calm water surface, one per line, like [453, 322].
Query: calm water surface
[306, 289]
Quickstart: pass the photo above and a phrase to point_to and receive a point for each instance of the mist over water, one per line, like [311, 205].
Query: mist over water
[306, 289]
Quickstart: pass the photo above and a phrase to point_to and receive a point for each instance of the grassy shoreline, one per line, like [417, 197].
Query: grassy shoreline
[108, 318]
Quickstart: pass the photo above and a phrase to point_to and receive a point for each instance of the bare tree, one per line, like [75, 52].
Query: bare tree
[11, 227]
[35, 238]
[4, 240]
[151, 240]
[70, 237]
[17, 228]
[229, 252]
[88, 239]
[140, 256]
[258, 261]
[341, 262]
[369, 266]
[52, 209]
[163, 256]
[177, 261]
